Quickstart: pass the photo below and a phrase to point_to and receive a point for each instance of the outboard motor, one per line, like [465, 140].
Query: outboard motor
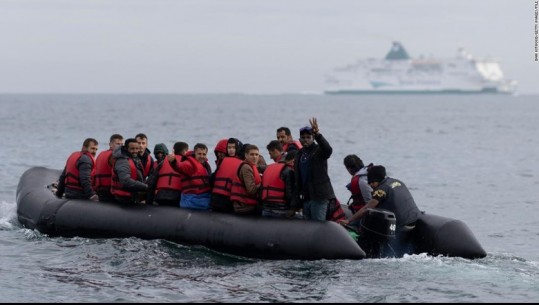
[377, 230]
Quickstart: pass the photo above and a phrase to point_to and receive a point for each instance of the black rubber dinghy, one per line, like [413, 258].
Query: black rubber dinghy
[256, 237]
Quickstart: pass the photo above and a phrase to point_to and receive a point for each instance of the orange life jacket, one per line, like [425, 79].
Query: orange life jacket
[238, 192]
[273, 186]
[103, 171]
[168, 178]
[199, 181]
[357, 201]
[116, 188]
[72, 177]
[224, 175]
[295, 142]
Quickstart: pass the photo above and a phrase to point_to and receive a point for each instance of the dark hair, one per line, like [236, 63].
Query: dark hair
[116, 136]
[142, 136]
[179, 147]
[285, 129]
[87, 142]
[290, 155]
[353, 162]
[200, 146]
[236, 142]
[129, 141]
[274, 144]
[249, 147]
[376, 173]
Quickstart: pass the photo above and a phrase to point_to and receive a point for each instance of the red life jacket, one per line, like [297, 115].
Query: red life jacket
[103, 171]
[337, 213]
[116, 188]
[72, 177]
[273, 186]
[238, 192]
[168, 178]
[146, 170]
[224, 175]
[199, 181]
[356, 201]
[295, 142]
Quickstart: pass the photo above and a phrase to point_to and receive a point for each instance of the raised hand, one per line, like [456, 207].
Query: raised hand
[314, 125]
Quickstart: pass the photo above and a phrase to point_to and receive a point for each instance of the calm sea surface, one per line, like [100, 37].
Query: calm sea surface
[473, 158]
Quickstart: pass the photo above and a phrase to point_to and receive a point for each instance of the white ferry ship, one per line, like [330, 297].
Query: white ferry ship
[399, 73]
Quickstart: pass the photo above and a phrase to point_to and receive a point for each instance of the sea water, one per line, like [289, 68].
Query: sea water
[472, 158]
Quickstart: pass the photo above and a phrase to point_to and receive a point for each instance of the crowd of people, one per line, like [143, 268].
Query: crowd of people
[295, 185]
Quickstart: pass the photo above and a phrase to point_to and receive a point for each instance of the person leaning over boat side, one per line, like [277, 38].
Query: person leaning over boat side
[103, 169]
[127, 174]
[390, 194]
[246, 182]
[145, 155]
[284, 136]
[358, 186]
[196, 189]
[277, 189]
[313, 186]
[76, 178]
[275, 151]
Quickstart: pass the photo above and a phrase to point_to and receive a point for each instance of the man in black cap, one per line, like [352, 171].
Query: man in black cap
[314, 190]
[389, 194]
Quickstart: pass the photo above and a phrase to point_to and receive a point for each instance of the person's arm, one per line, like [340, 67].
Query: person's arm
[123, 170]
[373, 203]
[248, 177]
[85, 172]
[61, 184]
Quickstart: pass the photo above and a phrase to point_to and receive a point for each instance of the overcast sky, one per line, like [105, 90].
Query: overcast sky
[249, 46]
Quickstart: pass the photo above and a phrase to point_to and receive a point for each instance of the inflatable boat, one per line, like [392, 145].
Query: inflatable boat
[256, 237]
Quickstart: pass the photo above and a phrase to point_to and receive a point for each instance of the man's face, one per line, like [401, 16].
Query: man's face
[133, 149]
[252, 156]
[143, 144]
[306, 139]
[92, 149]
[116, 143]
[231, 149]
[274, 154]
[282, 137]
[200, 154]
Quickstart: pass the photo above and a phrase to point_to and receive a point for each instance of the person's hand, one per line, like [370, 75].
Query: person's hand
[171, 158]
[291, 213]
[344, 222]
[314, 125]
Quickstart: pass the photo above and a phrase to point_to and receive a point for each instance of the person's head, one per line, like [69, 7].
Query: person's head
[180, 148]
[375, 175]
[90, 145]
[116, 140]
[290, 157]
[142, 139]
[275, 150]
[160, 151]
[201, 152]
[353, 164]
[306, 136]
[284, 135]
[252, 154]
[233, 147]
[132, 147]
[220, 149]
